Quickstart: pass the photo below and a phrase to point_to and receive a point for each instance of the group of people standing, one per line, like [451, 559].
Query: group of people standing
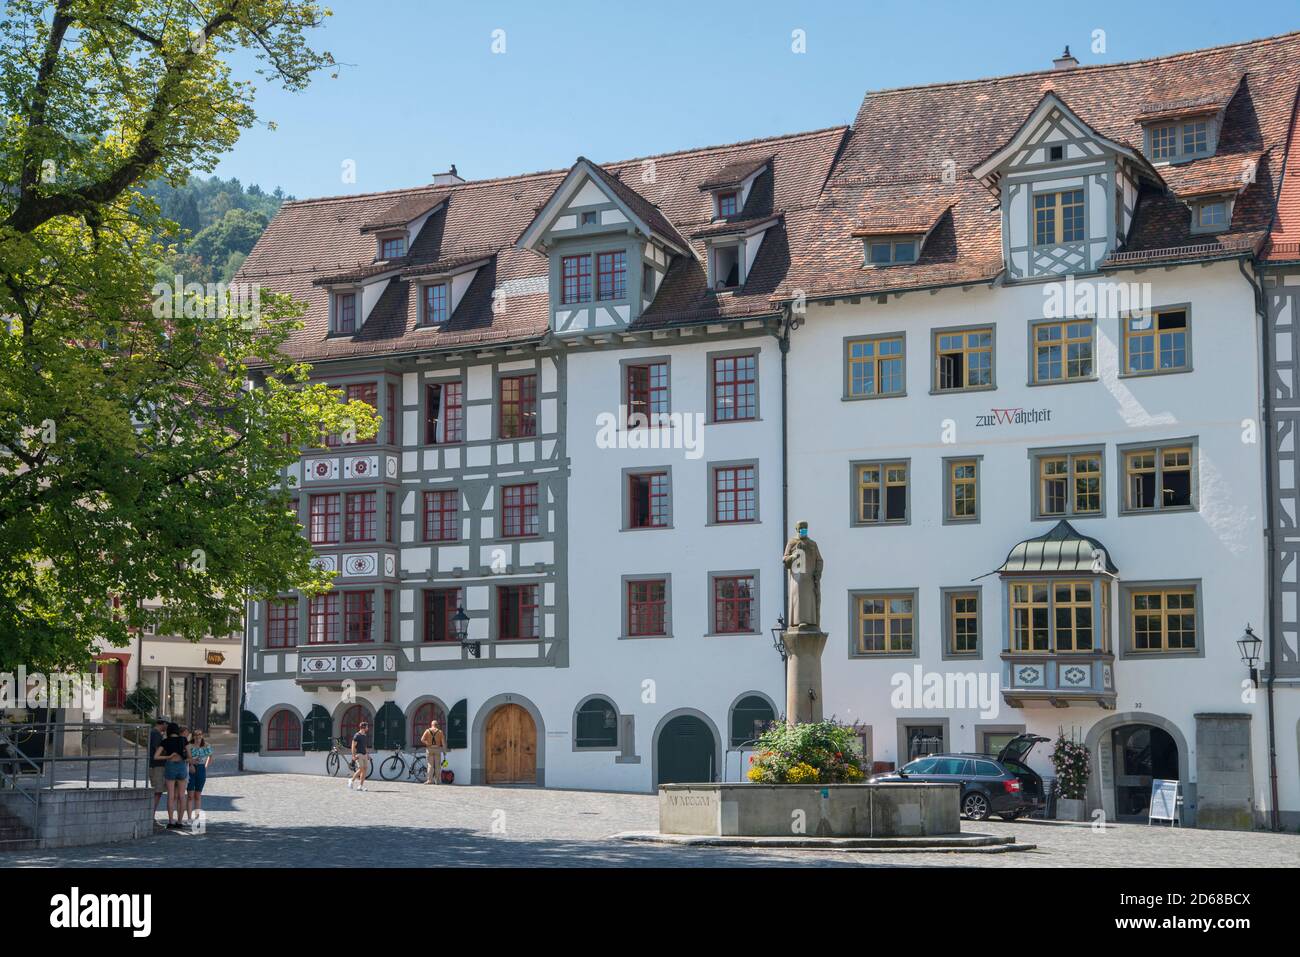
[435, 746]
[178, 767]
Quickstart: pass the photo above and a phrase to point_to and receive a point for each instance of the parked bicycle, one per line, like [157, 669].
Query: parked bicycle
[414, 766]
[340, 756]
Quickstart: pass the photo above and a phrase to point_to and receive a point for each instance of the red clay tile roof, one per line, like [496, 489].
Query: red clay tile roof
[1284, 237]
[404, 211]
[902, 140]
[1221, 173]
[1187, 96]
[826, 185]
[733, 174]
[729, 227]
[903, 216]
[317, 239]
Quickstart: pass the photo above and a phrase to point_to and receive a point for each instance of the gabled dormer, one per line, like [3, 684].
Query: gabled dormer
[729, 188]
[353, 294]
[1067, 193]
[438, 287]
[608, 249]
[397, 227]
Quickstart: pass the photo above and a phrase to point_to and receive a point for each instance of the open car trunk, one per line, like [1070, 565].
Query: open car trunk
[1014, 758]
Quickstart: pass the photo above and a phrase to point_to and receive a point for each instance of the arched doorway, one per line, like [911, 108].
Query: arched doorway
[686, 752]
[1141, 754]
[510, 739]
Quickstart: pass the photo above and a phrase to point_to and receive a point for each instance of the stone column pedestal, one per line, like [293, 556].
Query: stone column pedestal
[803, 677]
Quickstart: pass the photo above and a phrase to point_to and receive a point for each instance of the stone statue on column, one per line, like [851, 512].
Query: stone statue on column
[803, 637]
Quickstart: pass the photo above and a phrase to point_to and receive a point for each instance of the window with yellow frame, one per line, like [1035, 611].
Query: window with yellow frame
[963, 490]
[880, 492]
[875, 367]
[963, 359]
[1157, 342]
[1053, 616]
[963, 623]
[1158, 478]
[1069, 484]
[1162, 619]
[1058, 217]
[1063, 351]
[885, 623]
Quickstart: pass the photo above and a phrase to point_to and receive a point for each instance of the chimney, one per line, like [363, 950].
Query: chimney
[1065, 61]
[449, 178]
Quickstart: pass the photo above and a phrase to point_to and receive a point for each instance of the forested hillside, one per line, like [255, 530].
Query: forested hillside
[221, 220]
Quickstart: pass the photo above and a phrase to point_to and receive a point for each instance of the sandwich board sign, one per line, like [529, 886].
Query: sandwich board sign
[1164, 801]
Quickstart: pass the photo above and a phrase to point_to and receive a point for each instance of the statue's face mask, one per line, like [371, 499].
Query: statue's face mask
[803, 533]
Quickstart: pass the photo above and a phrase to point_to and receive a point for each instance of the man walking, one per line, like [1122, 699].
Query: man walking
[360, 757]
[156, 779]
[434, 745]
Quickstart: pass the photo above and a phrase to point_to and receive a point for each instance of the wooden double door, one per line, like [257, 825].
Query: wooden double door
[511, 741]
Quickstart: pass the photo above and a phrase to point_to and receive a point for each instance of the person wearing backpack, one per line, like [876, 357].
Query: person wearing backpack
[435, 743]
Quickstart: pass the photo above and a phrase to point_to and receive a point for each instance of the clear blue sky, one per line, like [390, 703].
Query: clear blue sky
[421, 88]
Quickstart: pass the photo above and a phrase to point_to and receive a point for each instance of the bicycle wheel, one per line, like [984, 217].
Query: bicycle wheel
[419, 770]
[332, 764]
[392, 768]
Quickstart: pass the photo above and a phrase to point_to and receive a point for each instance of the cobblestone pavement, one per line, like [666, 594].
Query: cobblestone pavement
[286, 820]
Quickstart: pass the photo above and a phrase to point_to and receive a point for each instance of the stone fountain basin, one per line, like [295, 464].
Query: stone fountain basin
[904, 809]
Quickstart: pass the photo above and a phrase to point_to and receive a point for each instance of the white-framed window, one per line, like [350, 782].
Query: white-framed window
[885, 251]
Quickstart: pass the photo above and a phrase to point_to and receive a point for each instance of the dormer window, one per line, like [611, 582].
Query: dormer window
[885, 251]
[728, 203]
[590, 218]
[392, 247]
[1211, 216]
[1178, 142]
[345, 313]
[1058, 218]
[1055, 153]
[575, 279]
[611, 275]
[434, 307]
[724, 263]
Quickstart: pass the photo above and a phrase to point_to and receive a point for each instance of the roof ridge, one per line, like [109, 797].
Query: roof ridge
[1091, 67]
[477, 183]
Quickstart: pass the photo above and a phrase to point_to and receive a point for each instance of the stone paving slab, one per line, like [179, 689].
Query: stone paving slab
[287, 820]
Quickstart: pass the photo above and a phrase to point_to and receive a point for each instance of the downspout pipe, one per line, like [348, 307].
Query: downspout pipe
[1266, 426]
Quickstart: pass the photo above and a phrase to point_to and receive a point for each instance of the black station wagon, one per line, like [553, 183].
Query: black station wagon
[1002, 785]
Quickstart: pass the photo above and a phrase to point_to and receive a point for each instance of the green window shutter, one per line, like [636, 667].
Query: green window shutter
[390, 728]
[597, 725]
[749, 719]
[317, 730]
[250, 733]
[458, 726]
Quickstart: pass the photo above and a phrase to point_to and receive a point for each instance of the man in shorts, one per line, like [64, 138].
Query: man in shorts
[156, 780]
[360, 756]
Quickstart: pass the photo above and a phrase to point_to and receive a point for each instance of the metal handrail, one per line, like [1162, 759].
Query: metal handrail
[52, 733]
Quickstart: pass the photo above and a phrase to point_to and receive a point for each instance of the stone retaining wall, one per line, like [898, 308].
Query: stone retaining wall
[72, 817]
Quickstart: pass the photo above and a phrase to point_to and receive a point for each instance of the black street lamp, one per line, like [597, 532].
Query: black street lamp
[778, 642]
[1249, 645]
[460, 622]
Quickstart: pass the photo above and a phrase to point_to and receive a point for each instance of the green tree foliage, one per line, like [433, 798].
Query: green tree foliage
[136, 459]
[220, 221]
